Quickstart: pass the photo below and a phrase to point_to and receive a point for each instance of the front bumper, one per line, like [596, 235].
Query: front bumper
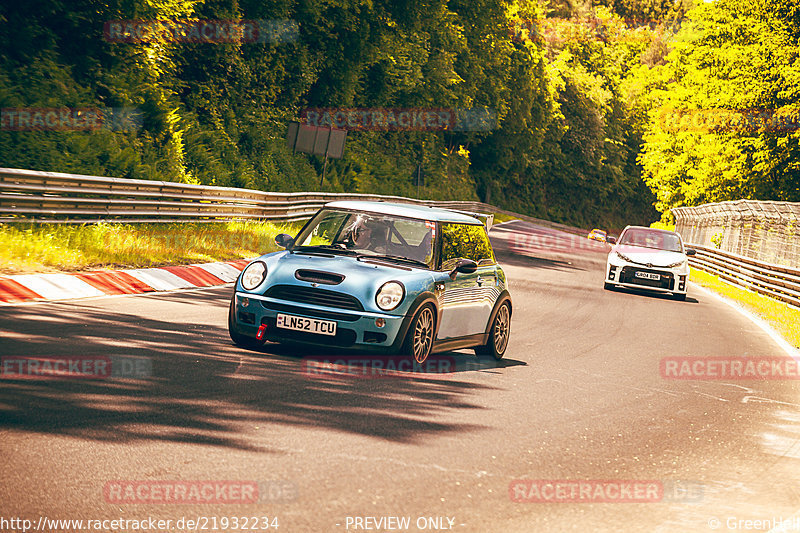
[354, 329]
[624, 274]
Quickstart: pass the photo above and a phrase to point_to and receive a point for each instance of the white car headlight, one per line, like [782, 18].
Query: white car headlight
[253, 275]
[677, 264]
[390, 295]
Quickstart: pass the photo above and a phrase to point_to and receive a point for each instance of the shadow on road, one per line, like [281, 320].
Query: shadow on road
[203, 389]
[651, 294]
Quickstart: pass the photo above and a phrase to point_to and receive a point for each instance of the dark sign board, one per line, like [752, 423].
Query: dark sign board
[320, 141]
[336, 143]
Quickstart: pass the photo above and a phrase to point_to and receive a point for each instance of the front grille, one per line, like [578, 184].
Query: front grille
[314, 296]
[305, 311]
[628, 275]
[317, 276]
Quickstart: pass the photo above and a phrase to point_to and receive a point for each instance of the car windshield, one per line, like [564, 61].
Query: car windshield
[369, 235]
[645, 238]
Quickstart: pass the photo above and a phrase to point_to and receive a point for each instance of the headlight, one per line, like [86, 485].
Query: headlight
[624, 257]
[253, 275]
[677, 264]
[390, 295]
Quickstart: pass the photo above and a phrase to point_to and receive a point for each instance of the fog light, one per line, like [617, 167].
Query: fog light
[244, 302]
[380, 322]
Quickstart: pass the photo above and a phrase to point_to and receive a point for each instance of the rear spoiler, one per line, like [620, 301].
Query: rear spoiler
[487, 219]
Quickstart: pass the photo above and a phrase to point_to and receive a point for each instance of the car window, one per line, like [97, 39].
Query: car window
[657, 240]
[371, 234]
[410, 232]
[465, 241]
[324, 229]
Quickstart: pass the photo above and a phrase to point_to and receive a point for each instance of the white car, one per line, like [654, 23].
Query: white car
[648, 258]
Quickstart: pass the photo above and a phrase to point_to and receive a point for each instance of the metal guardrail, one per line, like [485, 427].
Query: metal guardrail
[768, 231]
[52, 197]
[775, 281]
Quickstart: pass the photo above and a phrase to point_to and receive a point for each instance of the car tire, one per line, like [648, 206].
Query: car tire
[243, 341]
[419, 339]
[681, 297]
[608, 286]
[498, 335]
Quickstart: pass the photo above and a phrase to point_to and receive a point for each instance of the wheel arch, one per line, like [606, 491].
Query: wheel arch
[422, 299]
[503, 298]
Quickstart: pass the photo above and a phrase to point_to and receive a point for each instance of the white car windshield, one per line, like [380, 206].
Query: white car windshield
[369, 234]
[658, 240]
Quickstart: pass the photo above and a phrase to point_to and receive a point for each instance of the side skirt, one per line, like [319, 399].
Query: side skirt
[457, 343]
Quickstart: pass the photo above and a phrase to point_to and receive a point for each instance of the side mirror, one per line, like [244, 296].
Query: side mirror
[464, 266]
[611, 239]
[691, 251]
[284, 240]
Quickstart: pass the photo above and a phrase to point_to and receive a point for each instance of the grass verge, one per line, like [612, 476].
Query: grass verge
[28, 248]
[783, 318]
[502, 217]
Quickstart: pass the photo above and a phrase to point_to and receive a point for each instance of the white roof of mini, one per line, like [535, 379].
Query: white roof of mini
[406, 210]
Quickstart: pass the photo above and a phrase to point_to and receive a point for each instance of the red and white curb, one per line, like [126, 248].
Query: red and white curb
[47, 287]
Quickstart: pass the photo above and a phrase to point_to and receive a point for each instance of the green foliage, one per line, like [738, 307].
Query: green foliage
[573, 112]
[731, 56]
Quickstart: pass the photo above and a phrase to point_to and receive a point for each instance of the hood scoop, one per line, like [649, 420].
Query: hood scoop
[318, 276]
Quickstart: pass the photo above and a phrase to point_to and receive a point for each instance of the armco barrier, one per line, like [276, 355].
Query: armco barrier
[52, 197]
[751, 243]
[767, 231]
[775, 281]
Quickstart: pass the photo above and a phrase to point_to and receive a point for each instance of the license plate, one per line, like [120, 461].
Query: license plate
[647, 275]
[309, 325]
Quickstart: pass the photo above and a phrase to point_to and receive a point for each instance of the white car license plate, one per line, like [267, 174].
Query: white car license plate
[310, 325]
[647, 275]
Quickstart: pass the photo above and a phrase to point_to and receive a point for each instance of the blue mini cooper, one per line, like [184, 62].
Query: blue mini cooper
[378, 276]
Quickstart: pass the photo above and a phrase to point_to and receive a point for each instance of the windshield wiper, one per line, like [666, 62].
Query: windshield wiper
[649, 247]
[396, 258]
[331, 248]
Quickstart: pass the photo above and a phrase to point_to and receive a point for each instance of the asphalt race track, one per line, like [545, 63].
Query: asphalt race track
[579, 396]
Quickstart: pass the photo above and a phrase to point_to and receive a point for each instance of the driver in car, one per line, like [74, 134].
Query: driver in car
[653, 241]
[369, 234]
